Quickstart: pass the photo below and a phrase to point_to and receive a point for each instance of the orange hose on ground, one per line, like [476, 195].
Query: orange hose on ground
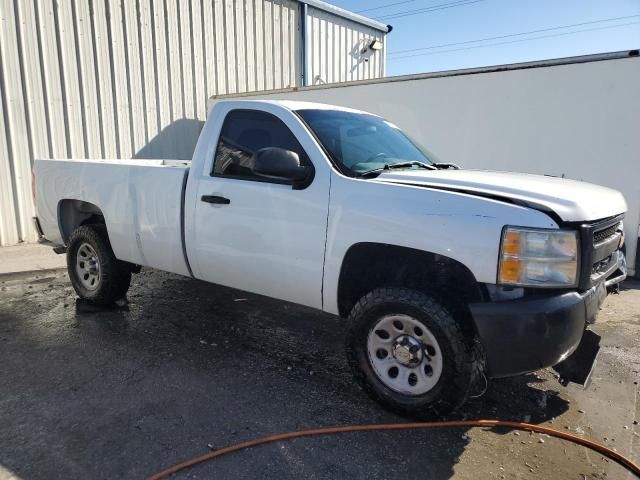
[602, 449]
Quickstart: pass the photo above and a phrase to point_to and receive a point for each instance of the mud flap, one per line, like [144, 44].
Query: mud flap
[579, 366]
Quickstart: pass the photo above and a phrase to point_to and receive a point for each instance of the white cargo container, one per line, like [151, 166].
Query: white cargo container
[573, 117]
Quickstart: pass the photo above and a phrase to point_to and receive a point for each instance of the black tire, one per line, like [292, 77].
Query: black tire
[460, 365]
[115, 275]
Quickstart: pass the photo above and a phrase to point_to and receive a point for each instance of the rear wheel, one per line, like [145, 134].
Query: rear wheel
[409, 353]
[95, 273]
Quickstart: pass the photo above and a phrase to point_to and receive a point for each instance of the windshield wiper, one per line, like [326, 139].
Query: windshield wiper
[390, 166]
[447, 166]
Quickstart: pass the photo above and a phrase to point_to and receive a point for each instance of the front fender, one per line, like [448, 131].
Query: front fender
[459, 226]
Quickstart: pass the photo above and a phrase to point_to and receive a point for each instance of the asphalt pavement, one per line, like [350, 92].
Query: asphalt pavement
[184, 367]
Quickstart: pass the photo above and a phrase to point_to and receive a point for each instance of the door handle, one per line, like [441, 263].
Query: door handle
[215, 199]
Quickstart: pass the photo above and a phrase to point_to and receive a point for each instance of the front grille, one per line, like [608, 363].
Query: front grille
[601, 266]
[605, 234]
[598, 241]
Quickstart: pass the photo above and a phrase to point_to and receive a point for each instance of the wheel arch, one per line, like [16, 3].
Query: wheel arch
[367, 266]
[73, 213]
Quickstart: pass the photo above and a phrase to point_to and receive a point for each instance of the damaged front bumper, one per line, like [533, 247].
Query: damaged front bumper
[527, 334]
[524, 335]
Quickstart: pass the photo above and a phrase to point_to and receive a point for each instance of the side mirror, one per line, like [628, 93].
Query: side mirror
[279, 164]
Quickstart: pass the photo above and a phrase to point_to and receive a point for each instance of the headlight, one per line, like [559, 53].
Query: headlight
[538, 258]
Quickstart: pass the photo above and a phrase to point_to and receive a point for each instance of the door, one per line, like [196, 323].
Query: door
[254, 233]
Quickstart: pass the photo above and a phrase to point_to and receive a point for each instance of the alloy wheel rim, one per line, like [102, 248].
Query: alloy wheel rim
[404, 354]
[88, 267]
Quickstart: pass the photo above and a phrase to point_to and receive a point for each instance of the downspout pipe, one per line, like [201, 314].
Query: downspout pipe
[304, 45]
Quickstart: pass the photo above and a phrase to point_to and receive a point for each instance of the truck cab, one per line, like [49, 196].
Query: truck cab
[445, 275]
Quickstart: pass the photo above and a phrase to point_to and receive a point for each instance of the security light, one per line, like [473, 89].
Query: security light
[376, 45]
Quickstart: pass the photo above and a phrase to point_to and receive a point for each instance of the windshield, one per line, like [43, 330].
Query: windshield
[359, 142]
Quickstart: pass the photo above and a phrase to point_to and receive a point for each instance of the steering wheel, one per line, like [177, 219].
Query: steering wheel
[374, 158]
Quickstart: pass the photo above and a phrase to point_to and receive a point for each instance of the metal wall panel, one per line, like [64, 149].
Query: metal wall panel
[123, 78]
[17, 129]
[337, 49]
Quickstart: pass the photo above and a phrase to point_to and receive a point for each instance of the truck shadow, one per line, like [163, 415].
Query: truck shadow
[630, 284]
[176, 141]
[305, 348]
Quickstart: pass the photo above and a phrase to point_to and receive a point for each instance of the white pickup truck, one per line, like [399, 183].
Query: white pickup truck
[445, 275]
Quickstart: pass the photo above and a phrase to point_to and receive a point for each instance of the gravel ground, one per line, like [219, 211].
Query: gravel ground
[186, 366]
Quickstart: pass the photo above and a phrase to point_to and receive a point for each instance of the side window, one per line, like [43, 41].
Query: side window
[243, 133]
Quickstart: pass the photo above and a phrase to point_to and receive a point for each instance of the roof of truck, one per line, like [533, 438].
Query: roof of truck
[298, 105]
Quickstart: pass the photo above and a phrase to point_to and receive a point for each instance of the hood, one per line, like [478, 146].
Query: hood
[571, 200]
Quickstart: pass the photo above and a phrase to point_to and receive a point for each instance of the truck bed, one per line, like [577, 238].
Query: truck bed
[141, 200]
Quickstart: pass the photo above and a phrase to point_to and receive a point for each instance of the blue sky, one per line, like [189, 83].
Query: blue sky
[468, 20]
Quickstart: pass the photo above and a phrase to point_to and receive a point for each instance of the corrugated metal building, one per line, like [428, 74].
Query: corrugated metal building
[131, 78]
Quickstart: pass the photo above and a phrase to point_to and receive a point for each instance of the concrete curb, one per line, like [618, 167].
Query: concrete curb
[31, 257]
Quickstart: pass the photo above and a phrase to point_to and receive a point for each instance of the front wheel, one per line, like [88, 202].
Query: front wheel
[409, 353]
[95, 273]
